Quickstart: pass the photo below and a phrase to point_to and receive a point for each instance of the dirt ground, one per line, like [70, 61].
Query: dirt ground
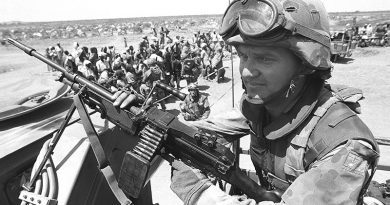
[367, 69]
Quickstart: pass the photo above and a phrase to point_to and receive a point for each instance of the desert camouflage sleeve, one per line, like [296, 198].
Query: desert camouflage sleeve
[335, 179]
[231, 124]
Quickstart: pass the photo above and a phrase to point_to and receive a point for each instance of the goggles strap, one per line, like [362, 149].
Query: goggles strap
[308, 33]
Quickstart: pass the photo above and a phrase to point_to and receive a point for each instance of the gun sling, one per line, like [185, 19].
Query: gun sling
[97, 148]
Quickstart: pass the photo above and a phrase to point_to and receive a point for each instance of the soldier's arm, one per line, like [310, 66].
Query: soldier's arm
[206, 109]
[231, 124]
[337, 178]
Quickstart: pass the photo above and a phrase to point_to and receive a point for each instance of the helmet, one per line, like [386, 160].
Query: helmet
[299, 25]
[193, 86]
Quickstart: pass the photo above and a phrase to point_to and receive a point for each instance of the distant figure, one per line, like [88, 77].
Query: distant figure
[60, 53]
[176, 64]
[87, 70]
[195, 106]
[69, 63]
[125, 40]
[204, 55]
[47, 55]
[144, 43]
[53, 56]
[189, 69]
[216, 64]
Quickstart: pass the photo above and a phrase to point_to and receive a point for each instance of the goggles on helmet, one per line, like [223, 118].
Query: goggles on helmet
[265, 20]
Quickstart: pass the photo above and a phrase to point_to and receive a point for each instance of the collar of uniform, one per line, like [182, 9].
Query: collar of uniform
[291, 119]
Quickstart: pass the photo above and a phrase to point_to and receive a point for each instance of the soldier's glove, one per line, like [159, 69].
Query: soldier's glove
[187, 183]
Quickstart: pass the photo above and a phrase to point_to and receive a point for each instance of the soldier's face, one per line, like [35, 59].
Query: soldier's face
[266, 71]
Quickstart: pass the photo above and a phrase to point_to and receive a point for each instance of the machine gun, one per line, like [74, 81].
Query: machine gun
[160, 134]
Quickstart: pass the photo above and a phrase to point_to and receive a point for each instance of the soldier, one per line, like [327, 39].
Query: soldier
[195, 106]
[307, 142]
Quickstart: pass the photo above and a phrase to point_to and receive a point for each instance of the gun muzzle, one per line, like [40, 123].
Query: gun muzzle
[23, 47]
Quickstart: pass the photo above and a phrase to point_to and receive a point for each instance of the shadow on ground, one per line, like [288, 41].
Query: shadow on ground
[203, 87]
[225, 80]
[344, 60]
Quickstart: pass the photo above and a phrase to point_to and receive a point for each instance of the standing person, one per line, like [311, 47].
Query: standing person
[130, 53]
[101, 64]
[76, 49]
[168, 71]
[144, 43]
[93, 57]
[162, 37]
[307, 142]
[69, 63]
[216, 64]
[214, 37]
[53, 56]
[188, 68]
[111, 53]
[176, 63]
[47, 55]
[195, 106]
[60, 54]
[204, 55]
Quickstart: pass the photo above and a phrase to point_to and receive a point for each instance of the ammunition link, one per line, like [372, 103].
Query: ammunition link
[150, 140]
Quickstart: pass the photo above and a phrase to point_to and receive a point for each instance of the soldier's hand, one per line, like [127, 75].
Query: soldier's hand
[124, 98]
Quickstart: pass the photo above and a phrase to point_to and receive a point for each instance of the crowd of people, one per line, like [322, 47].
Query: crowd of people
[157, 58]
[366, 35]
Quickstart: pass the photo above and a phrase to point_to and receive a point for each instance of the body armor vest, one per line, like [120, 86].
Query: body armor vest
[331, 122]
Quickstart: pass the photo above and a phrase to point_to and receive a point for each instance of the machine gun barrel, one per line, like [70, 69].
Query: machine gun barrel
[71, 77]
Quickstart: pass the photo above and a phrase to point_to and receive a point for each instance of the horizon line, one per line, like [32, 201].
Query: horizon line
[18, 21]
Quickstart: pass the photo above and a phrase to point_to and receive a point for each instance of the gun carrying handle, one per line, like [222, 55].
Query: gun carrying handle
[171, 90]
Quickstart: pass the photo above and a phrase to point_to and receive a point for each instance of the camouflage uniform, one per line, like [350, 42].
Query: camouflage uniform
[338, 156]
[195, 108]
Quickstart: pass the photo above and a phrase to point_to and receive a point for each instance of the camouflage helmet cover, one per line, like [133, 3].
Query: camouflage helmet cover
[193, 86]
[310, 14]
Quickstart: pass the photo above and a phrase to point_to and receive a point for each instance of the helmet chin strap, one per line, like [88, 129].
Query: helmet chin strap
[256, 101]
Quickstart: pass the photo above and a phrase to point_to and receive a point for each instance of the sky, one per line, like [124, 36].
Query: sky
[52, 10]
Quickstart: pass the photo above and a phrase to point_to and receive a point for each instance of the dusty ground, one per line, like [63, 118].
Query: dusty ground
[368, 69]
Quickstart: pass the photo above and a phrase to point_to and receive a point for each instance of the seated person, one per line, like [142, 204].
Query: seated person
[195, 106]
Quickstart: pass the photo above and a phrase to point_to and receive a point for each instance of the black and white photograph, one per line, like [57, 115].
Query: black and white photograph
[206, 102]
